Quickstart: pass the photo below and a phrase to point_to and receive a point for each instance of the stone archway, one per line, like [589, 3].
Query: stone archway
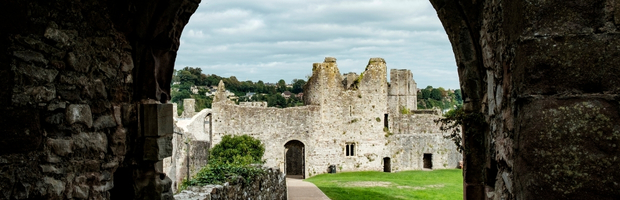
[294, 157]
[76, 74]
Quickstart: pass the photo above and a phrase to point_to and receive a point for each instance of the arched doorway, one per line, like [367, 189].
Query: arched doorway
[387, 166]
[294, 164]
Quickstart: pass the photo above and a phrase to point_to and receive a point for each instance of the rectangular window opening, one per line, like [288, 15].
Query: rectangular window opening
[350, 149]
[347, 150]
[385, 120]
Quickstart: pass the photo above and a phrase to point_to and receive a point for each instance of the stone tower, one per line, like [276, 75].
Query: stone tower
[402, 92]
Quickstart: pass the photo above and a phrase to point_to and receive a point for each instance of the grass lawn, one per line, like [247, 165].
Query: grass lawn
[436, 184]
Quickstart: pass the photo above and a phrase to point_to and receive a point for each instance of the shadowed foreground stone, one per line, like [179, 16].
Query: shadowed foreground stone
[75, 76]
[541, 80]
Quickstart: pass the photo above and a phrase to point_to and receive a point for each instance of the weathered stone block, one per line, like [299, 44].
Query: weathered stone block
[97, 142]
[34, 94]
[100, 89]
[35, 74]
[62, 39]
[56, 105]
[78, 63]
[30, 56]
[52, 169]
[156, 149]
[55, 119]
[105, 121]
[53, 186]
[128, 114]
[569, 146]
[157, 119]
[79, 113]
[60, 147]
[81, 191]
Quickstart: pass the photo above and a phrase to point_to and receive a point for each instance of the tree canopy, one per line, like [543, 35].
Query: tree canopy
[441, 98]
[183, 80]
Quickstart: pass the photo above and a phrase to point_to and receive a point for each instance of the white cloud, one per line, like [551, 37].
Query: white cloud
[246, 27]
[280, 39]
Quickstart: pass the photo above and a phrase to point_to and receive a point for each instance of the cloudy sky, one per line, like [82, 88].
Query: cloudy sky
[271, 40]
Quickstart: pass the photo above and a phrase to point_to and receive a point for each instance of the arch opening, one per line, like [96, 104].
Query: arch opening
[294, 159]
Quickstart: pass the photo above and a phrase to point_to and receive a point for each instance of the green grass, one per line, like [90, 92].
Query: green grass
[436, 184]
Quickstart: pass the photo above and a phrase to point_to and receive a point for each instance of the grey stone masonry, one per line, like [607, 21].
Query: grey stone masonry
[343, 123]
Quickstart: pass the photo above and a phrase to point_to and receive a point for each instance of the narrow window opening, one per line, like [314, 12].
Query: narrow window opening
[385, 120]
[347, 150]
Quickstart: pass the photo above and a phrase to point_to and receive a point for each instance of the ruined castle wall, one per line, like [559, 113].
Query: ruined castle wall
[402, 94]
[273, 126]
[341, 112]
[189, 108]
[253, 104]
[417, 134]
[198, 125]
[191, 137]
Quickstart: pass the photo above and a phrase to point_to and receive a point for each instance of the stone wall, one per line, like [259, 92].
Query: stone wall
[335, 117]
[417, 134]
[78, 79]
[402, 92]
[189, 108]
[191, 143]
[272, 185]
[253, 104]
[273, 126]
[540, 84]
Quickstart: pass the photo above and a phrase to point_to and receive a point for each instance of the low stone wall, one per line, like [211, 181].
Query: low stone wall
[272, 185]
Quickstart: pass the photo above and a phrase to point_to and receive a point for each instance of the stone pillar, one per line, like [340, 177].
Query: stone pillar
[540, 89]
[74, 76]
[402, 94]
[189, 108]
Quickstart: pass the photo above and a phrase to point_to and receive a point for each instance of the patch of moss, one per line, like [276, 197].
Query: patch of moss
[404, 110]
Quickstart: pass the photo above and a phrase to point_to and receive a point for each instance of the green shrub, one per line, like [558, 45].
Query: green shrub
[218, 173]
[233, 157]
[238, 146]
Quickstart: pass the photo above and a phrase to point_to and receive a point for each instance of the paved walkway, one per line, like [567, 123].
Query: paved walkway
[298, 189]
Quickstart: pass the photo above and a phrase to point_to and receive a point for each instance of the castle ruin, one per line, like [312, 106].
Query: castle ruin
[354, 122]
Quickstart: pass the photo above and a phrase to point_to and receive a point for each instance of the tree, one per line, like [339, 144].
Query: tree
[187, 77]
[178, 96]
[281, 86]
[260, 87]
[458, 96]
[436, 95]
[298, 85]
